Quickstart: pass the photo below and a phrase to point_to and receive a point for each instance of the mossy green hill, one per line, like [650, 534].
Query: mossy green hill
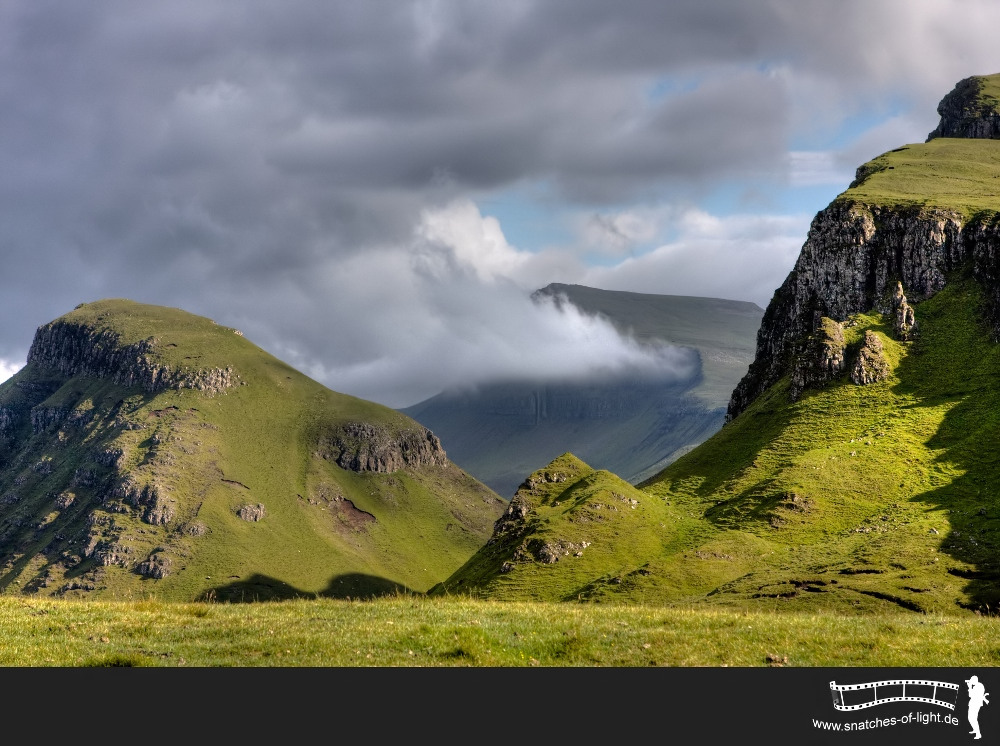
[858, 471]
[857, 498]
[149, 451]
[568, 532]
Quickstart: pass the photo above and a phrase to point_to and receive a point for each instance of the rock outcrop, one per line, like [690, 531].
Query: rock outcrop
[251, 513]
[79, 350]
[821, 359]
[870, 366]
[854, 258]
[904, 323]
[859, 257]
[966, 112]
[367, 447]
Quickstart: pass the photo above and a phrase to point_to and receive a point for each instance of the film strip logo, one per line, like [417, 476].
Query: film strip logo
[859, 696]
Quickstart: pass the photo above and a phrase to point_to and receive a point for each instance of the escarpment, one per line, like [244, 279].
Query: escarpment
[854, 259]
[74, 349]
[890, 248]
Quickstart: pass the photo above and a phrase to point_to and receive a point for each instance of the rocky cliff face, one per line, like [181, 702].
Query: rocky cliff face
[363, 446]
[76, 349]
[853, 259]
[860, 257]
[966, 112]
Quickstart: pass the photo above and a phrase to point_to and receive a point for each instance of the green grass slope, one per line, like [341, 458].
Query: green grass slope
[417, 631]
[852, 499]
[958, 174]
[861, 497]
[117, 491]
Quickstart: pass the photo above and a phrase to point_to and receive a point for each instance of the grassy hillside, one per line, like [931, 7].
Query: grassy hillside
[853, 499]
[865, 495]
[569, 531]
[956, 174]
[117, 491]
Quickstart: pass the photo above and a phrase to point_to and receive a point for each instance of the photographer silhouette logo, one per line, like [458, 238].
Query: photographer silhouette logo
[866, 695]
[978, 696]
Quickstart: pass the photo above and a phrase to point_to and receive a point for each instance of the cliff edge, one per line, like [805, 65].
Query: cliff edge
[911, 218]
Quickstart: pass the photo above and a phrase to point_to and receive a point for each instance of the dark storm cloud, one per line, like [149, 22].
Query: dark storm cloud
[268, 163]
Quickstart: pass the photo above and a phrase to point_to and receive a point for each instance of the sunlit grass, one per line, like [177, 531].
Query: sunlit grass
[419, 631]
[948, 173]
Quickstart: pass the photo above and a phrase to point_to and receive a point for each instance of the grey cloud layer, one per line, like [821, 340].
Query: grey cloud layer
[267, 163]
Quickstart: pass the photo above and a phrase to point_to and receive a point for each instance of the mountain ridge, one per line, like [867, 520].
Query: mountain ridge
[151, 451]
[632, 425]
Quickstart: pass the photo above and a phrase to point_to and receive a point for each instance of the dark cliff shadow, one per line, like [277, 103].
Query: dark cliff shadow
[258, 587]
[357, 585]
[954, 365]
[972, 504]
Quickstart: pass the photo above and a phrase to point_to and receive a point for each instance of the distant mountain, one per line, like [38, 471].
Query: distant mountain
[858, 469]
[724, 332]
[148, 451]
[502, 432]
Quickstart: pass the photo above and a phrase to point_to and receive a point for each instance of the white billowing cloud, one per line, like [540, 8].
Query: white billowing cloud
[738, 257]
[506, 336]
[453, 308]
[7, 369]
[455, 311]
[459, 236]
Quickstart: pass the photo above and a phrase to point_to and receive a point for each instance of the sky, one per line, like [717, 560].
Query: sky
[371, 190]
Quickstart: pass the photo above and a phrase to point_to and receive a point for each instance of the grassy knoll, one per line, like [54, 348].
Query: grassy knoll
[419, 631]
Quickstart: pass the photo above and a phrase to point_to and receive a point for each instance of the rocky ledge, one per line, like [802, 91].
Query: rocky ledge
[966, 112]
[79, 350]
[369, 447]
[860, 257]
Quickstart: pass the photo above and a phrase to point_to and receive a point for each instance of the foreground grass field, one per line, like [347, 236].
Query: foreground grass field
[408, 631]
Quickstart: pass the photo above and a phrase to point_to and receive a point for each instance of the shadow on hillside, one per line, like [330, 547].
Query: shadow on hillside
[971, 503]
[965, 383]
[257, 587]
